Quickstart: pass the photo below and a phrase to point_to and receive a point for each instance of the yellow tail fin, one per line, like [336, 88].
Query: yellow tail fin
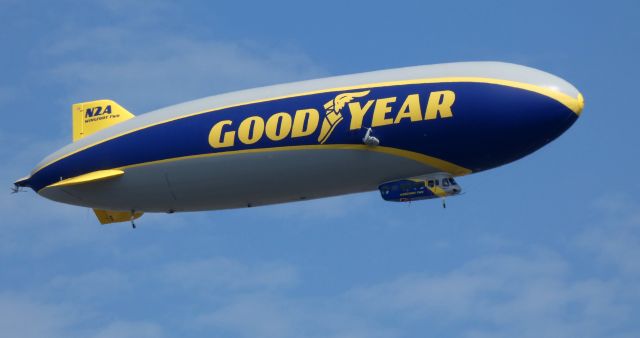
[109, 216]
[89, 117]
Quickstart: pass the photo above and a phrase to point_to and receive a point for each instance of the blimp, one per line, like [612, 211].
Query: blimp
[407, 132]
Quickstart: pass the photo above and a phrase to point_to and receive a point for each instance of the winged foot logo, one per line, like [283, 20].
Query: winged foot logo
[379, 112]
[333, 114]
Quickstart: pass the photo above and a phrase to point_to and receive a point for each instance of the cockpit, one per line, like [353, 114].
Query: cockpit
[445, 183]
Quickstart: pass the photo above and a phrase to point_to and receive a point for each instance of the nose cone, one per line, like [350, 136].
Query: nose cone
[556, 88]
[511, 117]
[558, 106]
[542, 118]
[544, 108]
[536, 120]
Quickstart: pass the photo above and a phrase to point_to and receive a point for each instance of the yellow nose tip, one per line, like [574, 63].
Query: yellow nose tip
[580, 104]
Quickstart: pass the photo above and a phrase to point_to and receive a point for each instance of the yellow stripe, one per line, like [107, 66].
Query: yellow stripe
[580, 104]
[424, 159]
[89, 177]
[575, 104]
[438, 191]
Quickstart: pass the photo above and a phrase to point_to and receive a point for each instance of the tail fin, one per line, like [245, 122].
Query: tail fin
[109, 216]
[90, 117]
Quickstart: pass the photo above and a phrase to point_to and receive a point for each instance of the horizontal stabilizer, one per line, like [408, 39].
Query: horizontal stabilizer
[109, 216]
[90, 177]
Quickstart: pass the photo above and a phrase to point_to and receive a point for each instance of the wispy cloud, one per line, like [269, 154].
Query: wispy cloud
[617, 240]
[524, 295]
[250, 317]
[147, 69]
[124, 329]
[153, 74]
[283, 317]
[211, 275]
[89, 286]
[20, 317]
[529, 292]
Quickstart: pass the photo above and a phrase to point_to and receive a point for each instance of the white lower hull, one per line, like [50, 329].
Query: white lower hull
[241, 180]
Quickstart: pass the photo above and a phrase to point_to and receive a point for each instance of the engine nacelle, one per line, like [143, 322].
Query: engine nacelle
[420, 188]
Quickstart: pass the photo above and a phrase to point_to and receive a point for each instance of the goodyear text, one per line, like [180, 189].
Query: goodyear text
[378, 112]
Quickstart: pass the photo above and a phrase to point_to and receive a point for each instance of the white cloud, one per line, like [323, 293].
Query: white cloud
[151, 70]
[210, 275]
[524, 292]
[98, 284]
[135, 6]
[26, 318]
[124, 329]
[617, 238]
[251, 317]
[30, 319]
[612, 204]
[501, 296]
[530, 292]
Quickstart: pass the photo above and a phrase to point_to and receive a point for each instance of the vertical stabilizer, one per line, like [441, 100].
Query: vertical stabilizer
[90, 117]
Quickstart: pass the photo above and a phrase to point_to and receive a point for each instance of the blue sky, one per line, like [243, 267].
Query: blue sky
[548, 246]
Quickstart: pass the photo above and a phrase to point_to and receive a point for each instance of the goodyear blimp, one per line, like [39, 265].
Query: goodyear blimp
[407, 132]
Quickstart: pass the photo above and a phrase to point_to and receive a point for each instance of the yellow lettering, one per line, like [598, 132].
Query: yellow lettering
[251, 129]
[380, 112]
[217, 140]
[357, 113]
[410, 109]
[273, 132]
[440, 102]
[311, 116]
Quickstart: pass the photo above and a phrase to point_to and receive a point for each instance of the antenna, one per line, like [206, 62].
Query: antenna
[133, 217]
[16, 189]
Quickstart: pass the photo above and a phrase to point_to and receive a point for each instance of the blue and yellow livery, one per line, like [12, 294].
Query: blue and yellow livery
[439, 185]
[305, 140]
